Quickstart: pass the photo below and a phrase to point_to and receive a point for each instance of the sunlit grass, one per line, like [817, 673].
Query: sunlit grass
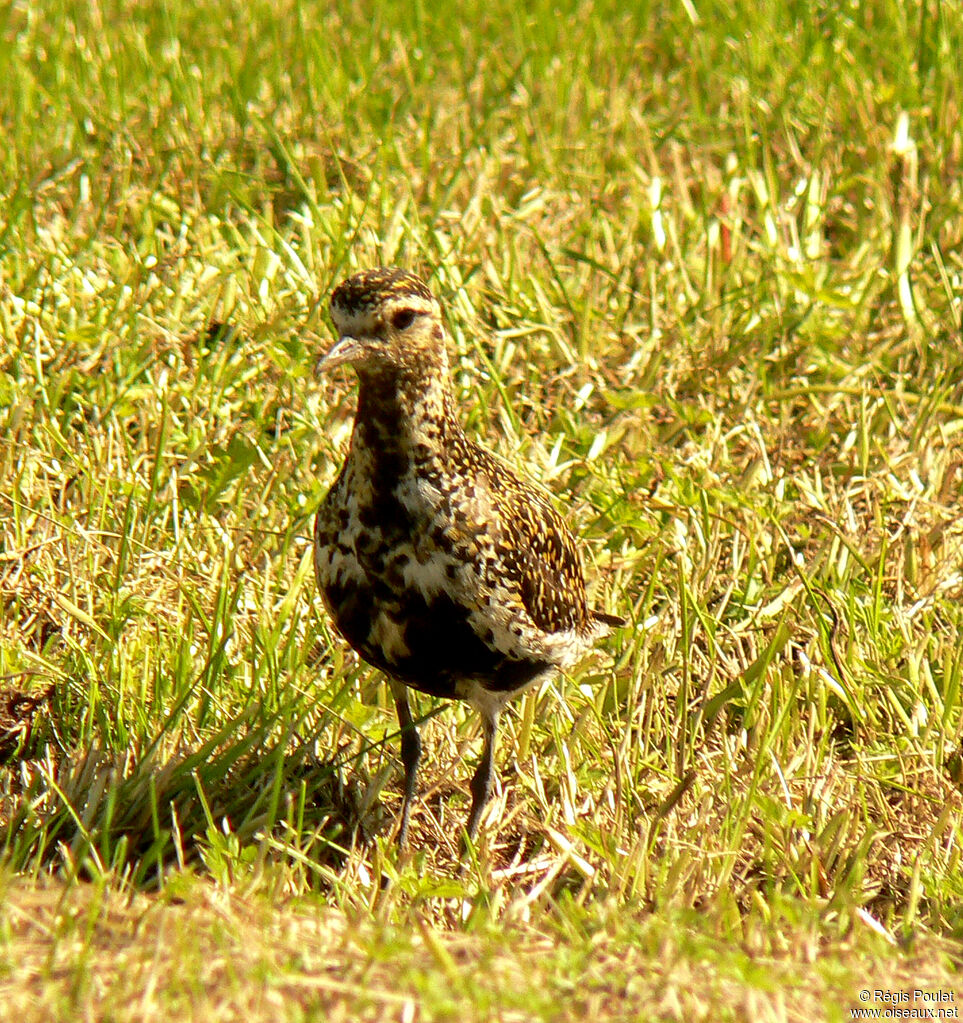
[701, 267]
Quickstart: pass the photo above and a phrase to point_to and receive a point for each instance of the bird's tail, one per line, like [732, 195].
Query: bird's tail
[605, 621]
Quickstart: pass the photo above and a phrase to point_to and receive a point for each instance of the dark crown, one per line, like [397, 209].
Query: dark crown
[369, 289]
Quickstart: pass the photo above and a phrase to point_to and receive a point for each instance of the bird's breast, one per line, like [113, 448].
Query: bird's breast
[413, 586]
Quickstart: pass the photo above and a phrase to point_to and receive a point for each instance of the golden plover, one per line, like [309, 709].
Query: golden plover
[438, 563]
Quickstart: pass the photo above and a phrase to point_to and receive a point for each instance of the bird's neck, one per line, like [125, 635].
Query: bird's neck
[404, 414]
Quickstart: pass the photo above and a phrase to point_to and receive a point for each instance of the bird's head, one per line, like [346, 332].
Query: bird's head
[387, 321]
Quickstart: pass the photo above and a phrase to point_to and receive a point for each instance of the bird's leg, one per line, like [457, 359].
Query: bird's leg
[481, 782]
[410, 754]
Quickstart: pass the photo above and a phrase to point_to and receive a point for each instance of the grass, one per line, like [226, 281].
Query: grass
[702, 271]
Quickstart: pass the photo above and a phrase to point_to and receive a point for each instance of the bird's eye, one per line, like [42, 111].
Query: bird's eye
[403, 319]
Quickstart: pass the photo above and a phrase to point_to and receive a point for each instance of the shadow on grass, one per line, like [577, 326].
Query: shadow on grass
[254, 793]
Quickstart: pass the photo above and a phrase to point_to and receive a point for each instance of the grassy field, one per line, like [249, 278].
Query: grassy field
[702, 267]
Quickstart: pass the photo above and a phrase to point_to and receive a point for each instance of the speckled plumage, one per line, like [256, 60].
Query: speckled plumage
[438, 563]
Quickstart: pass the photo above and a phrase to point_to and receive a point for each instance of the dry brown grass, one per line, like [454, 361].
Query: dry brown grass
[212, 953]
[703, 280]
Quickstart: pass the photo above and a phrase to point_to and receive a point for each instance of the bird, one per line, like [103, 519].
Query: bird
[437, 562]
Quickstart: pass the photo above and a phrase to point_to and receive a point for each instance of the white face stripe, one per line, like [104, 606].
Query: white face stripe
[366, 321]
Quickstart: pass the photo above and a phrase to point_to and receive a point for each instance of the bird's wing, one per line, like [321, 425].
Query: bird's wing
[527, 540]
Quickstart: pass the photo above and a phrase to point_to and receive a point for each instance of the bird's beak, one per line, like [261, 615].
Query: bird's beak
[345, 349]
